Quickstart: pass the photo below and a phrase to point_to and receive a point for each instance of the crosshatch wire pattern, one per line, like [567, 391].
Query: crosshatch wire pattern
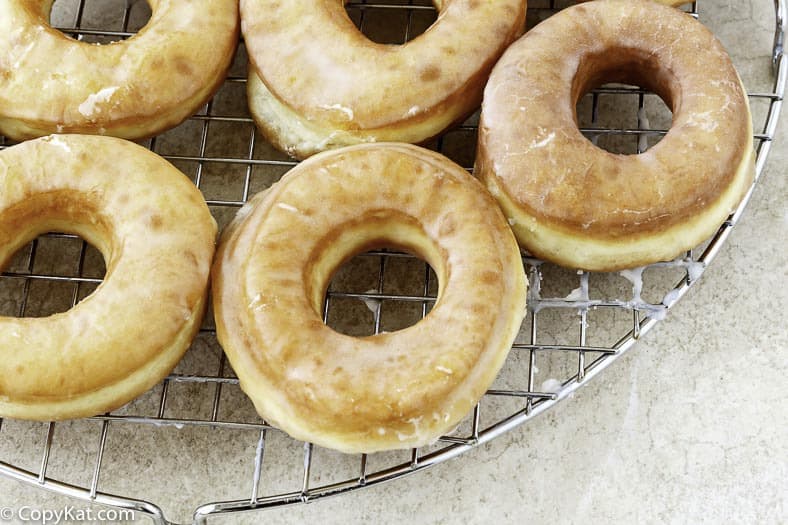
[577, 323]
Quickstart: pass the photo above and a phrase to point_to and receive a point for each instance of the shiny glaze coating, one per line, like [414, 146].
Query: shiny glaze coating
[157, 237]
[581, 206]
[134, 88]
[391, 390]
[316, 82]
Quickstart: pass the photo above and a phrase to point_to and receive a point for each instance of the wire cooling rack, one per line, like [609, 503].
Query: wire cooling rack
[578, 324]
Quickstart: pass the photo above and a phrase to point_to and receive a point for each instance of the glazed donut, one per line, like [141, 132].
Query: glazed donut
[575, 204]
[674, 3]
[391, 390]
[50, 83]
[157, 237]
[320, 83]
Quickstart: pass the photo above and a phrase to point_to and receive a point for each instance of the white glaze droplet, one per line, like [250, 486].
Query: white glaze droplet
[372, 304]
[635, 276]
[88, 108]
[695, 270]
[56, 141]
[288, 207]
[643, 123]
[551, 385]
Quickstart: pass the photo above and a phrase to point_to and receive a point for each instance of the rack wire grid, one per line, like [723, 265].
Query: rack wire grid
[556, 352]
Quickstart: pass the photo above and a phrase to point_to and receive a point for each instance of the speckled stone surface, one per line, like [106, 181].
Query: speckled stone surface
[689, 427]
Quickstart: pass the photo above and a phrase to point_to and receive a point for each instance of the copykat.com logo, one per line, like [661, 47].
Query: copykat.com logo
[67, 514]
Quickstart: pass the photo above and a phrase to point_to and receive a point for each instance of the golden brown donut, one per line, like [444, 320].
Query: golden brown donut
[50, 83]
[387, 391]
[674, 3]
[316, 82]
[157, 237]
[580, 206]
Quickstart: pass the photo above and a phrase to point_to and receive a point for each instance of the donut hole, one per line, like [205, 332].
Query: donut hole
[377, 274]
[624, 100]
[99, 21]
[396, 22]
[49, 275]
[381, 290]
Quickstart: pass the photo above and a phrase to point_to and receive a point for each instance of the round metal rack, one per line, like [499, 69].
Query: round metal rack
[578, 324]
